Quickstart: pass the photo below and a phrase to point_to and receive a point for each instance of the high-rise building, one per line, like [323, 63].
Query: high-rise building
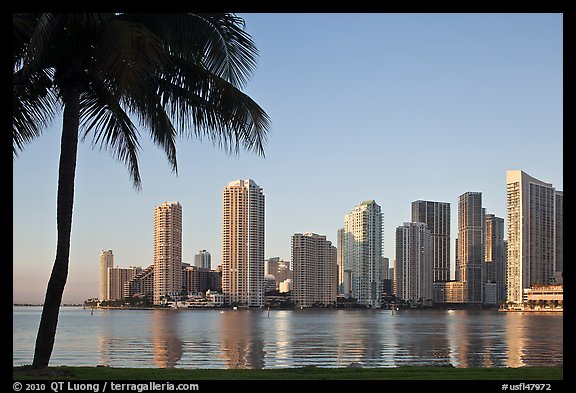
[495, 257]
[436, 216]
[203, 259]
[243, 244]
[535, 216]
[167, 251]
[118, 277]
[414, 263]
[106, 262]
[559, 208]
[471, 246]
[340, 259]
[271, 266]
[313, 270]
[363, 252]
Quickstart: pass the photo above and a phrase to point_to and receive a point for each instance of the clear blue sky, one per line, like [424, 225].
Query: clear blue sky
[391, 107]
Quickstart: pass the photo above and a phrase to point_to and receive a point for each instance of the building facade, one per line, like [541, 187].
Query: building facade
[363, 252]
[203, 259]
[495, 259]
[167, 251]
[534, 210]
[141, 285]
[471, 246]
[436, 216]
[106, 262]
[118, 278]
[340, 261]
[314, 270]
[414, 263]
[243, 244]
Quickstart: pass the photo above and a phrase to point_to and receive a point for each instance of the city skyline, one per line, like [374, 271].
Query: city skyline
[439, 88]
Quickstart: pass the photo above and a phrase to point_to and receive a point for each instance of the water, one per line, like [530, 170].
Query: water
[294, 338]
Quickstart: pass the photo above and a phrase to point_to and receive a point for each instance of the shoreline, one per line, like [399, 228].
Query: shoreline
[297, 373]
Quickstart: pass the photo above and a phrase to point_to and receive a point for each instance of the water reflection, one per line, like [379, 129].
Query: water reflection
[359, 338]
[325, 338]
[279, 351]
[166, 342]
[421, 339]
[241, 339]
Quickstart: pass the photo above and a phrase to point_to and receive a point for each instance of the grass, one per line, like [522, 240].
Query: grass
[303, 373]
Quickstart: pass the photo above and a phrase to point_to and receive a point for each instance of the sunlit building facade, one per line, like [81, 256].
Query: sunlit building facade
[363, 252]
[534, 210]
[313, 270]
[414, 263]
[167, 251]
[243, 244]
[106, 262]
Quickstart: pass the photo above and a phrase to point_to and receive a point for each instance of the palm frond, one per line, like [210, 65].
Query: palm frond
[217, 42]
[205, 105]
[34, 106]
[112, 128]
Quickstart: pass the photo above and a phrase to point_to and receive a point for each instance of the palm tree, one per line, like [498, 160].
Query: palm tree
[176, 74]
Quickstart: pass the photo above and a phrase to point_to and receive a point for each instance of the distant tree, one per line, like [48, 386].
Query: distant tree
[177, 74]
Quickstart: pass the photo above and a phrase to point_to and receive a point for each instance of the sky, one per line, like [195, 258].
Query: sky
[390, 107]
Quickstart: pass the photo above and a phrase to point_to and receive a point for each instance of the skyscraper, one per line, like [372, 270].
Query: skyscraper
[203, 259]
[535, 214]
[243, 243]
[471, 246]
[340, 259]
[167, 251]
[313, 270]
[559, 208]
[495, 255]
[436, 216]
[414, 262]
[363, 251]
[106, 261]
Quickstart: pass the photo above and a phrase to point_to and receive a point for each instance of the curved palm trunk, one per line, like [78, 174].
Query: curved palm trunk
[66, 172]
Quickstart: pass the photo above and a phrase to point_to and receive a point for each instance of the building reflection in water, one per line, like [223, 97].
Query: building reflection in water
[280, 329]
[241, 339]
[166, 342]
[359, 338]
[420, 341]
[475, 339]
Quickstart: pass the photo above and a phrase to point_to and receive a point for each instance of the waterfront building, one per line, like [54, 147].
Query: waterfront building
[471, 246]
[363, 253]
[117, 278]
[167, 251]
[534, 211]
[141, 285]
[106, 262]
[436, 216]
[340, 260]
[494, 260]
[449, 292]
[243, 244]
[195, 279]
[203, 259]
[313, 270]
[414, 263]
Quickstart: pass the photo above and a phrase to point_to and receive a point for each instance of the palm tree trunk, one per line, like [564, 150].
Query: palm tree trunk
[65, 201]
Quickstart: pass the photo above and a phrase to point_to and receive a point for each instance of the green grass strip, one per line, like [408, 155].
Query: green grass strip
[303, 373]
